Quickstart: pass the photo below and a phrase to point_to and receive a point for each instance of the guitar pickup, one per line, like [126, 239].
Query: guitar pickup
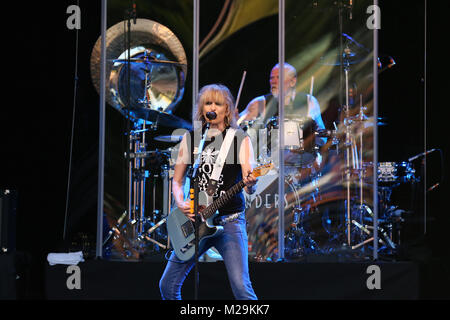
[187, 228]
[187, 247]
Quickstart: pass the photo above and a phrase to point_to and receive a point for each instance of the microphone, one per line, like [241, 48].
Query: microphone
[115, 229]
[211, 115]
[391, 62]
[421, 155]
[434, 186]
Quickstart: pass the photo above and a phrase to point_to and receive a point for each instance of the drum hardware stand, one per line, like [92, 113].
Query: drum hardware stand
[360, 167]
[293, 237]
[345, 63]
[137, 175]
[357, 160]
[167, 195]
[392, 216]
[131, 135]
[387, 239]
[136, 180]
[348, 145]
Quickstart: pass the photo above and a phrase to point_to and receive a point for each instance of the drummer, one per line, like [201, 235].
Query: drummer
[297, 104]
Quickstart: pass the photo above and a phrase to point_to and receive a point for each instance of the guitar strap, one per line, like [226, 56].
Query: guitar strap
[220, 161]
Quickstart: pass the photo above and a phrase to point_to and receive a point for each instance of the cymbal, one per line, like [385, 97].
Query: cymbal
[161, 118]
[174, 139]
[381, 121]
[335, 60]
[353, 53]
[158, 70]
[148, 61]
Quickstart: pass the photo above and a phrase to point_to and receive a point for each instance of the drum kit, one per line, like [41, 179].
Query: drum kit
[318, 219]
[328, 187]
[145, 84]
[328, 191]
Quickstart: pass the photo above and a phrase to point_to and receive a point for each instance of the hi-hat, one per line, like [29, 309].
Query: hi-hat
[350, 58]
[174, 139]
[353, 53]
[160, 118]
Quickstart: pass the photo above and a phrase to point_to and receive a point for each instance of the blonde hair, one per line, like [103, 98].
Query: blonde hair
[219, 93]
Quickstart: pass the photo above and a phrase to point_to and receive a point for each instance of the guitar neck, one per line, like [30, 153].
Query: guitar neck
[222, 200]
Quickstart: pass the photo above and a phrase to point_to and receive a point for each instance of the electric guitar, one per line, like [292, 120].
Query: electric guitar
[181, 230]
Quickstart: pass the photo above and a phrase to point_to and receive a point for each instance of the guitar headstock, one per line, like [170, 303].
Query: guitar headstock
[262, 170]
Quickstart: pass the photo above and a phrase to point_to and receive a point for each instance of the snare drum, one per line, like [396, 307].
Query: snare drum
[299, 140]
[257, 133]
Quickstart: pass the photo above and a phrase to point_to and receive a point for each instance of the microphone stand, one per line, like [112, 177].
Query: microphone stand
[194, 191]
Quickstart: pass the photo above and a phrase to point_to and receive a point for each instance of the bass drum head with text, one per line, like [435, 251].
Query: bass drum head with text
[262, 216]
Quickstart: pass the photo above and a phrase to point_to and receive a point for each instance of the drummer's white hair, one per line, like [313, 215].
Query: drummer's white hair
[290, 68]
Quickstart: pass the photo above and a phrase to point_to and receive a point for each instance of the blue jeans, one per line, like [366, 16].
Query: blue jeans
[232, 245]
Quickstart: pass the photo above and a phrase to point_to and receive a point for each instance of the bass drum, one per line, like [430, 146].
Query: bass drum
[322, 224]
[262, 215]
[320, 227]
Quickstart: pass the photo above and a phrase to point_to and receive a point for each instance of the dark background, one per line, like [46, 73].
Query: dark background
[36, 117]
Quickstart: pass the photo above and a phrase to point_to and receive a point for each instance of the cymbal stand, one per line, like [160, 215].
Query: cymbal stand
[147, 82]
[136, 145]
[354, 157]
[360, 170]
[130, 133]
[384, 192]
[148, 234]
[348, 145]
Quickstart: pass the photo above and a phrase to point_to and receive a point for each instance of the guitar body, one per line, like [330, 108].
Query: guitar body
[181, 230]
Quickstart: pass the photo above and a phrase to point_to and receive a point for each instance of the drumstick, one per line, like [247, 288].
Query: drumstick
[312, 86]
[311, 89]
[240, 89]
[335, 126]
[240, 119]
[239, 95]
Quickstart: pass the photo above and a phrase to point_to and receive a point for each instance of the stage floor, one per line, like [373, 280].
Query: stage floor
[101, 279]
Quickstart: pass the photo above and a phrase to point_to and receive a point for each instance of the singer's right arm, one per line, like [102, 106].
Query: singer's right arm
[178, 179]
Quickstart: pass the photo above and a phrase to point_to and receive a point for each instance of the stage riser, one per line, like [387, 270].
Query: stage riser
[272, 281]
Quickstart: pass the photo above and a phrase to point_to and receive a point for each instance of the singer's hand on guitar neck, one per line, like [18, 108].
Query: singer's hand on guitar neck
[250, 182]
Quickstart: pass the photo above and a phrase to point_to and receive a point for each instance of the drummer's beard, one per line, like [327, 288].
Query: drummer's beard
[274, 92]
[289, 94]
